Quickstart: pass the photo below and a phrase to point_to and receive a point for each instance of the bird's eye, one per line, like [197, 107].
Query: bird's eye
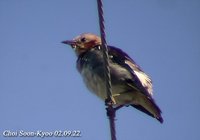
[83, 39]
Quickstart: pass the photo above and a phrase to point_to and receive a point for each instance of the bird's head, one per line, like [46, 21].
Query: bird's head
[83, 42]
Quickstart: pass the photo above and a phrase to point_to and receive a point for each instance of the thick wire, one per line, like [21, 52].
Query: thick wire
[109, 101]
[105, 51]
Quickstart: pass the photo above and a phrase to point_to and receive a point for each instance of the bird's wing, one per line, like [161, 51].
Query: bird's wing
[140, 81]
[142, 77]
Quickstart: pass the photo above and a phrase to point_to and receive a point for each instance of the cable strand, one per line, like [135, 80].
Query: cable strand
[105, 53]
[110, 100]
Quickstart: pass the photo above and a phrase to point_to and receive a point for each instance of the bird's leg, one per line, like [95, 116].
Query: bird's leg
[118, 107]
[111, 110]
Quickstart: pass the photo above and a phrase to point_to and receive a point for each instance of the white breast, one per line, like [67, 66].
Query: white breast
[94, 83]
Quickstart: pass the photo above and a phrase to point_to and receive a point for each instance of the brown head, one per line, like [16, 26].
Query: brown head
[83, 42]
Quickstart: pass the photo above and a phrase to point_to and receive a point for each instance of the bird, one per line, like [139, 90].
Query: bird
[130, 85]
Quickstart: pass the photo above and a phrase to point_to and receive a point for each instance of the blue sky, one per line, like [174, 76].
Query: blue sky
[40, 88]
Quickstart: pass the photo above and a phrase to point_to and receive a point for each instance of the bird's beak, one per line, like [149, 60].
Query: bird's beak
[72, 43]
[69, 42]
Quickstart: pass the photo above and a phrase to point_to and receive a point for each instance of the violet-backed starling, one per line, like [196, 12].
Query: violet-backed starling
[130, 85]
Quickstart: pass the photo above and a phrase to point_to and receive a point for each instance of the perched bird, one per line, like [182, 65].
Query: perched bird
[130, 85]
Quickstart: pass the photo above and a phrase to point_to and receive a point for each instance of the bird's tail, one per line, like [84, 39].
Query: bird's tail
[148, 106]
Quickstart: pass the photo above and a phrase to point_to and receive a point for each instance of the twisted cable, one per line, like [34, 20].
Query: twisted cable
[110, 100]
